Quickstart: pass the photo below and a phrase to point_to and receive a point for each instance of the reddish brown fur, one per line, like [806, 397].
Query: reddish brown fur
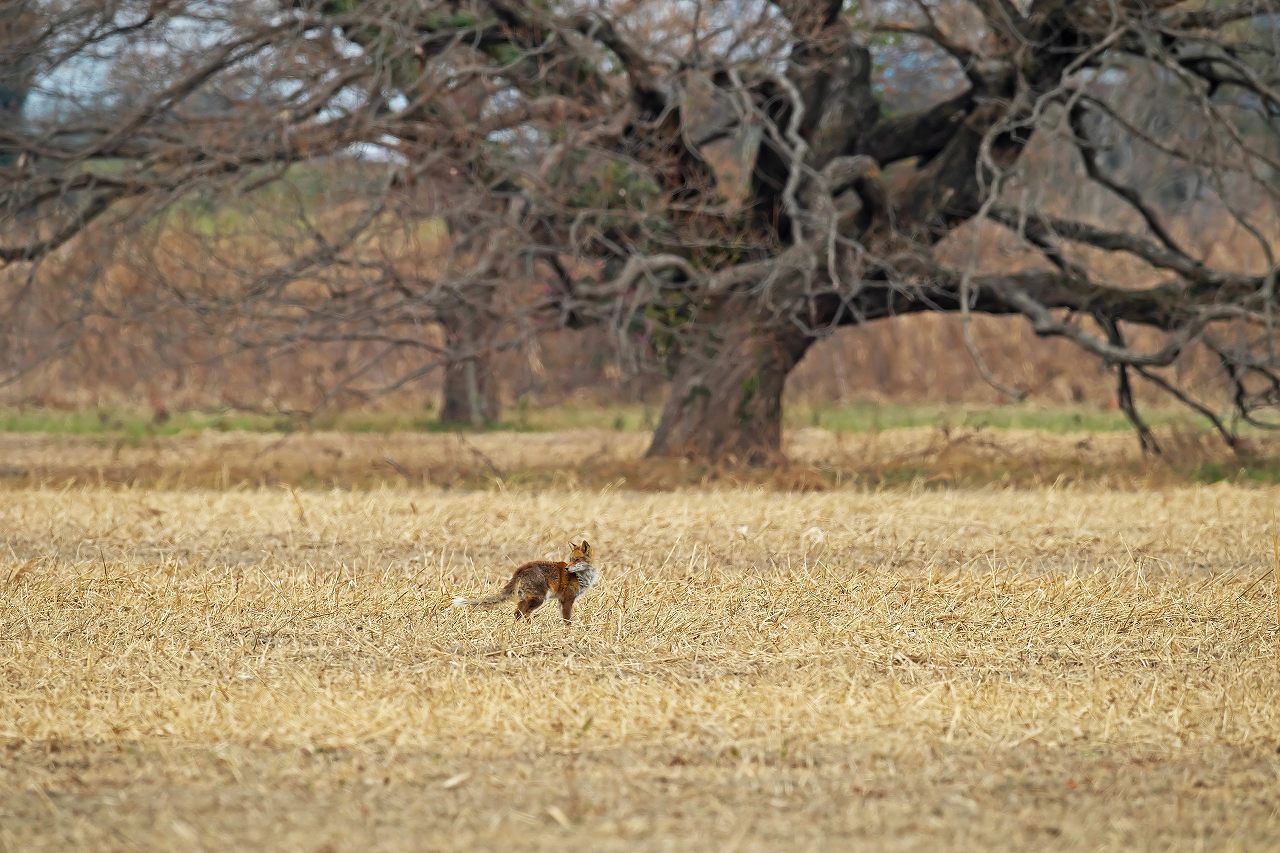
[534, 581]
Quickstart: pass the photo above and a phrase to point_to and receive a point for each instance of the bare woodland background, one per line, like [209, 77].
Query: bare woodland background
[161, 303]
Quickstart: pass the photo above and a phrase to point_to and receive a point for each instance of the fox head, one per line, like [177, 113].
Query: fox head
[580, 553]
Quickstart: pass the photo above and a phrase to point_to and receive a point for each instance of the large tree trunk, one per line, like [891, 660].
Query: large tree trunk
[726, 397]
[470, 394]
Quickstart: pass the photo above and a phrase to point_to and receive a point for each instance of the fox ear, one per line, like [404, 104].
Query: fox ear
[586, 546]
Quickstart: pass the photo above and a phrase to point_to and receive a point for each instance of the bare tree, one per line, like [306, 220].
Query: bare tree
[735, 179]
[16, 23]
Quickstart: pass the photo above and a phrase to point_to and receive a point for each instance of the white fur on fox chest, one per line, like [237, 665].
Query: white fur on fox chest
[588, 576]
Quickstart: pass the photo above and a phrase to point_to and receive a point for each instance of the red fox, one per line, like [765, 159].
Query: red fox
[533, 582]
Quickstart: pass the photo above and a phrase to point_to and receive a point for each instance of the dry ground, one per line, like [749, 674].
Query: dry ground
[1063, 668]
[592, 458]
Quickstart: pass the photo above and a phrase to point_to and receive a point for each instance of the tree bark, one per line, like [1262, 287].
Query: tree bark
[726, 396]
[470, 394]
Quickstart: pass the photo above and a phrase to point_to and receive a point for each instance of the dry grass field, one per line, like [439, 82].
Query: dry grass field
[1069, 667]
[586, 458]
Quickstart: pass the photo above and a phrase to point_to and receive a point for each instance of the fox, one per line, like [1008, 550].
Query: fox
[536, 581]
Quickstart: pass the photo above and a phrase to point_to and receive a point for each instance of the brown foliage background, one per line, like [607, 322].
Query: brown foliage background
[169, 358]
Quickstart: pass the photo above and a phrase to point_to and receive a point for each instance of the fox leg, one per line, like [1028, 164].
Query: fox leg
[566, 608]
[529, 604]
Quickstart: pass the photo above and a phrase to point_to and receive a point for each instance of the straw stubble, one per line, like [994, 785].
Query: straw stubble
[757, 670]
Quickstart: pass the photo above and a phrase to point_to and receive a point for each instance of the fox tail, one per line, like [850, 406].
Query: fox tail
[488, 600]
